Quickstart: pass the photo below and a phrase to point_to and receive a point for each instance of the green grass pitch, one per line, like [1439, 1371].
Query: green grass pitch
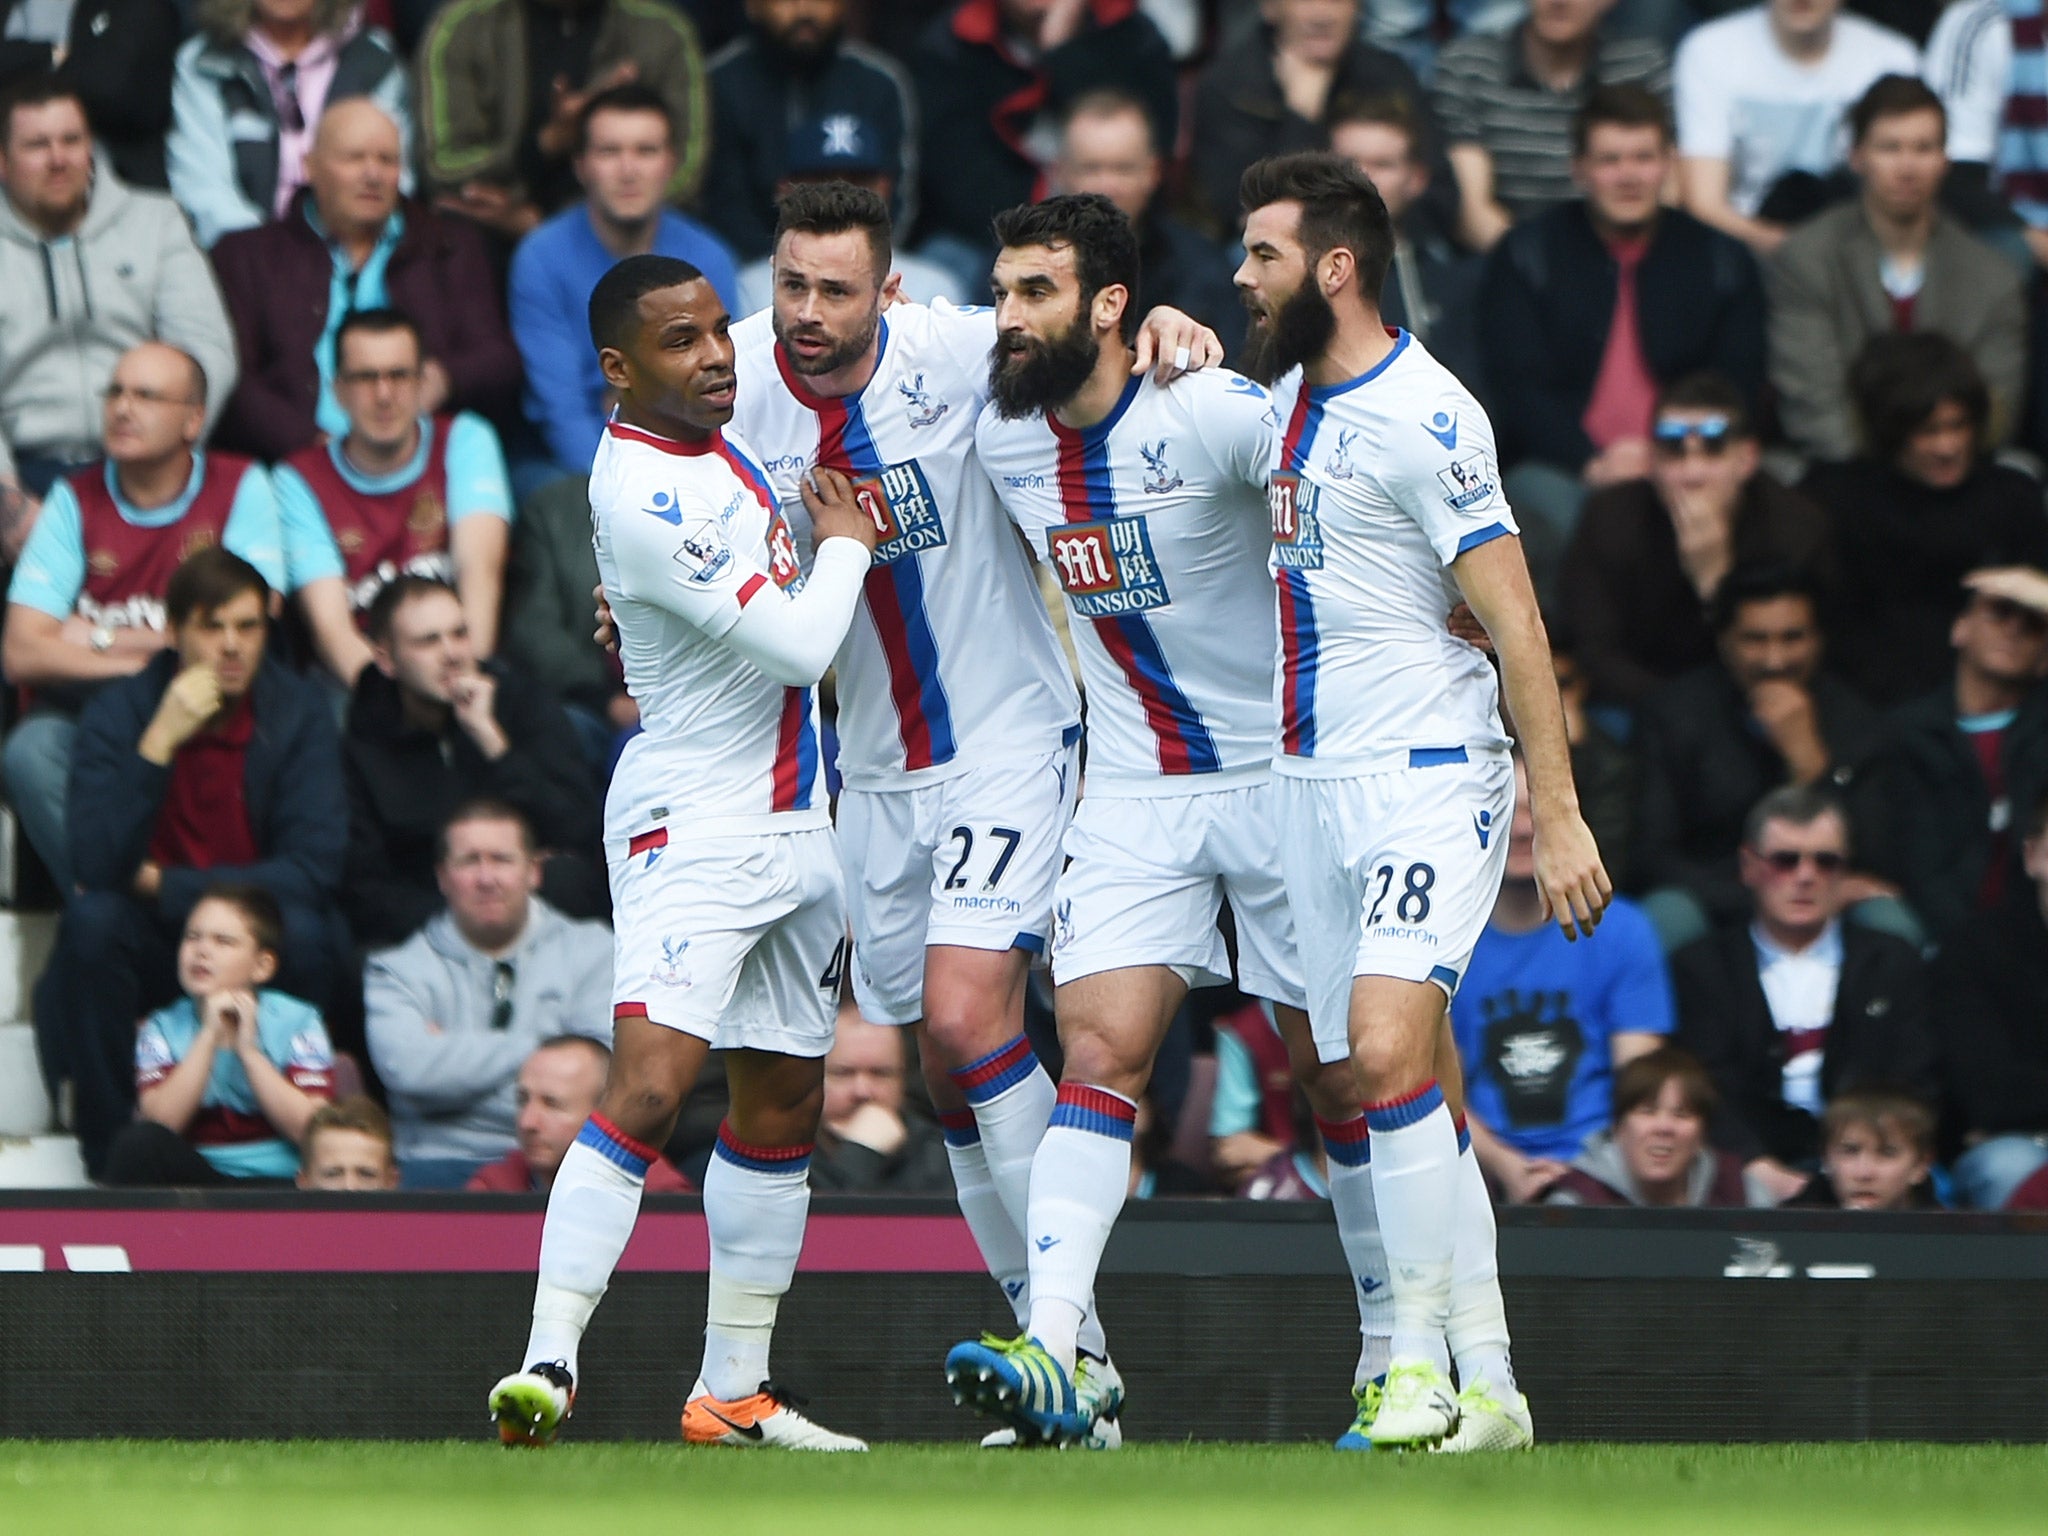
[383, 1489]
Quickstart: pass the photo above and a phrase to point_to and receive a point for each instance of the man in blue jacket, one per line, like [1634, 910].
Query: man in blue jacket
[207, 765]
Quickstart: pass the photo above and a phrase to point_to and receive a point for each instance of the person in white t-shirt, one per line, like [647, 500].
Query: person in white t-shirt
[1762, 94]
[730, 915]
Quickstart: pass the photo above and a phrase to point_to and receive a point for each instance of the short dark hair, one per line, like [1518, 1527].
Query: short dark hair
[1110, 101]
[36, 88]
[1748, 584]
[615, 301]
[1878, 1106]
[633, 96]
[484, 808]
[1900, 378]
[1339, 207]
[394, 595]
[1893, 96]
[1642, 1081]
[833, 208]
[381, 320]
[1619, 106]
[206, 580]
[259, 910]
[1798, 805]
[1105, 246]
[1706, 391]
[1389, 111]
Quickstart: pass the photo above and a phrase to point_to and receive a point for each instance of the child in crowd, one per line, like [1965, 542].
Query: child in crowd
[229, 1076]
[348, 1147]
[1877, 1150]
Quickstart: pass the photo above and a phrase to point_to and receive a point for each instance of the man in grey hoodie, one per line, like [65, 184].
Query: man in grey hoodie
[88, 268]
[454, 1011]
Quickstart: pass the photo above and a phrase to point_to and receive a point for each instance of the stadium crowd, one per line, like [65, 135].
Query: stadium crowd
[310, 732]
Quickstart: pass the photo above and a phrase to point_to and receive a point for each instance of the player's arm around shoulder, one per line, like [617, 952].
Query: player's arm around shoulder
[791, 633]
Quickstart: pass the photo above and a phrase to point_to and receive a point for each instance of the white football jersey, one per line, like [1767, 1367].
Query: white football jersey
[1154, 521]
[951, 660]
[1377, 485]
[687, 535]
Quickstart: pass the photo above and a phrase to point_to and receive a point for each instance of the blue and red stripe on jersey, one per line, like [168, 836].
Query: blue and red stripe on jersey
[895, 591]
[1081, 1107]
[999, 1071]
[1088, 495]
[1300, 640]
[1348, 1141]
[755, 1159]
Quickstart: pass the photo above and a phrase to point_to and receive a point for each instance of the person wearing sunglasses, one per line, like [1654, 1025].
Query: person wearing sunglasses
[1649, 554]
[1968, 758]
[1798, 1005]
[453, 1013]
[1922, 507]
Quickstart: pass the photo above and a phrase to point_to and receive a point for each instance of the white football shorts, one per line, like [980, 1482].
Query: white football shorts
[1391, 874]
[1146, 877]
[740, 941]
[969, 860]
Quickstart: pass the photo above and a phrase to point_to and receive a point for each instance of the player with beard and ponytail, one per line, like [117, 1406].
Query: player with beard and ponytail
[1392, 788]
[957, 718]
[1148, 502]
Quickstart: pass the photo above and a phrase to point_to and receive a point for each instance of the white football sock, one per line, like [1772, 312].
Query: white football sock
[1001, 1244]
[1478, 1326]
[755, 1203]
[1358, 1227]
[1415, 1188]
[591, 1210]
[1078, 1183]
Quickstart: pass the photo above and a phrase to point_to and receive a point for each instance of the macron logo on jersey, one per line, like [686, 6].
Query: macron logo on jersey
[664, 506]
[1107, 568]
[1444, 428]
[898, 501]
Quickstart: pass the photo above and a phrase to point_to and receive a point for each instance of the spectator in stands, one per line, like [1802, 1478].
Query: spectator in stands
[1877, 1150]
[430, 727]
[558, 1087]
[400, 493]
[993, 77]
[1432, 287]
[1649, 555]
[503, 84]
[86, 603]
[1655, 1153]
[795, 64]
[454, 1012]
[1587, 311]
[1106, 146]
[228, 1077]
[547, 617]
[250, 87]
[1964, 763]
[1992, 979]
[624, 158]
[1252, 1112]
[1764, 715]
[350, 242]
[2020, 169]
[850, 149]
[211, 764]
[1542, 1024]
[1603, 766]
[1887, 262]
[1969, 64]
[117, 57]
[1799, 1006]
[348, 1148]
[1507, 100]
[1761, 95]
[62, 332]
[1919, 510]
[1274, 88]
[867, 1145]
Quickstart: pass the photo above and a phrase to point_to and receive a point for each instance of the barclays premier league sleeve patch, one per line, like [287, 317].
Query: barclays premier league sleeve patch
[702, 552]
[1468, 482]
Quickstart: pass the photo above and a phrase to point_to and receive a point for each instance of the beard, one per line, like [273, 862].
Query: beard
[1039, 375]
[834, 357]
[1295, 332]
[798, 52]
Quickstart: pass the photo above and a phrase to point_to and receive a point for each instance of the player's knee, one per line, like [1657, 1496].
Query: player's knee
[1331, 1089]
[1096, 1057]
[1387, 1065]
[965, 1030]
